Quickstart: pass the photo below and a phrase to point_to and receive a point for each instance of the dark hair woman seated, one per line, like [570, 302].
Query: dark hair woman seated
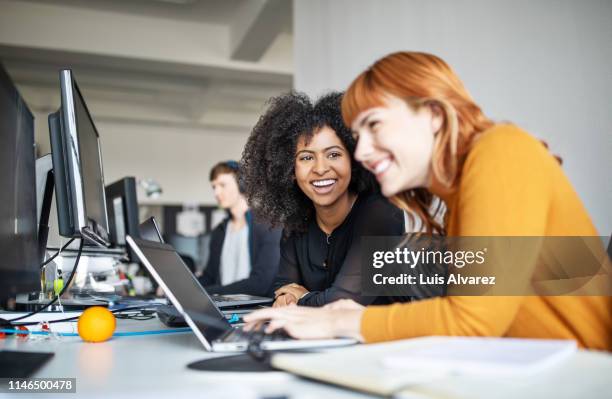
[300, 174]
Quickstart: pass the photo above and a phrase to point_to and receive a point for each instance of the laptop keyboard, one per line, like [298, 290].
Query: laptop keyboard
[239, 335]
[222, 299]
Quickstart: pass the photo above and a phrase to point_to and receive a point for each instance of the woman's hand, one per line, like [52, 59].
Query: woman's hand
[284, 300]
[347, 304]
[309, 323]
[293, 289]
[288, 294]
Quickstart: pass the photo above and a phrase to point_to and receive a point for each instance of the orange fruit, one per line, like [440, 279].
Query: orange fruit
[96, 324]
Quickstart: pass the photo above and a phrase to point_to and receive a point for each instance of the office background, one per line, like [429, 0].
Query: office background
[176, 85]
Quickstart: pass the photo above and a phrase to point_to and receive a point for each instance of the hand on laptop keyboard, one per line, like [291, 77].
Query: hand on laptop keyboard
[256, 335]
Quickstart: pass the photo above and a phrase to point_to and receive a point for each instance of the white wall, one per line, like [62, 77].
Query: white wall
[178, 158]
[545, 65]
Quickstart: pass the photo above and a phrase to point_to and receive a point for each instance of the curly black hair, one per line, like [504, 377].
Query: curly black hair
[268, 158]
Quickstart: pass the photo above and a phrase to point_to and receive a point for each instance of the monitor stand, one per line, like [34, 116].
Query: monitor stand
[92, 236]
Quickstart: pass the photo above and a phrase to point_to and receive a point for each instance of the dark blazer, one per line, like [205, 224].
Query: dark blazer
[264, 251]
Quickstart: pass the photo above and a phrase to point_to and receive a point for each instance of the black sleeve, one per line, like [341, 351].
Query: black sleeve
[377, 217]
[264, 265]
[288, 269]
[211, 272]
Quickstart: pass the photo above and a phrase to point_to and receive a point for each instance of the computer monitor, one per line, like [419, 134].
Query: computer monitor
[122, 202]
[77, 167]
[44, 197]
[19, 265]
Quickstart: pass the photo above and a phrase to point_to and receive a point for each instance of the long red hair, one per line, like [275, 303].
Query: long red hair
[422, 80]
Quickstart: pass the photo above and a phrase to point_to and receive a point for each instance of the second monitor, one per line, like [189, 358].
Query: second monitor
[122, 210]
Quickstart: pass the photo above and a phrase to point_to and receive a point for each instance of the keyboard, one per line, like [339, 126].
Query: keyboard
[221, 299]
[239, 335]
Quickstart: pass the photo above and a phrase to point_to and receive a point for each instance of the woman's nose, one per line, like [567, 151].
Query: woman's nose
[364, 148]
[321, 166]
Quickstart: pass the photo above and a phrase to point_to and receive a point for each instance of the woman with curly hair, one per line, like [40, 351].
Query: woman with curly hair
[299, 174]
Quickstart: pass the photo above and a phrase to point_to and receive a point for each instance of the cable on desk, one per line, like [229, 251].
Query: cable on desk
[59, 251]
[74, 270]
[117, 334]
[74, 318]
[151, 332]
[142, 315]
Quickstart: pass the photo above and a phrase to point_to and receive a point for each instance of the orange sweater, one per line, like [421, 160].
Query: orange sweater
[510, 186]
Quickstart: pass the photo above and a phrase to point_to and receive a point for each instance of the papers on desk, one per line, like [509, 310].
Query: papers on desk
[384, 369]
[483, 356]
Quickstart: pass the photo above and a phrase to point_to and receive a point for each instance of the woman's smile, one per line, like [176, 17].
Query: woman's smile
[323, 186]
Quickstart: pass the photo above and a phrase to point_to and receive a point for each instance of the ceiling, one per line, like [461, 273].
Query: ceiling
[207, 11]
[210, 64]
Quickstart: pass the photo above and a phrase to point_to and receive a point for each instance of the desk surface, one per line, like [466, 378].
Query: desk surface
[155, 366]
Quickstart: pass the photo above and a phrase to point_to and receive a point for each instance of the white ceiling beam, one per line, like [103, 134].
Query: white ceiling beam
[257, 25]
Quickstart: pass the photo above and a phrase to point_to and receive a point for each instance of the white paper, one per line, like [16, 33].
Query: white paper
[483, 356]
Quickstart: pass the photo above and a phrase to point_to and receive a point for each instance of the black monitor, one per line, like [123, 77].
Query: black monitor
[19, 260]
[44, 197]
[77, 167]
[122, 202]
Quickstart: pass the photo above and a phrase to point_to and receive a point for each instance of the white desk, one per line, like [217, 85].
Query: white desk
[155, 367]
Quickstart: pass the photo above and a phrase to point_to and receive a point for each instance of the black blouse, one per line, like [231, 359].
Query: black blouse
[330, 267]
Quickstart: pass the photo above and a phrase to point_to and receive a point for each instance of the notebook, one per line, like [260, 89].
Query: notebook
[387, 368]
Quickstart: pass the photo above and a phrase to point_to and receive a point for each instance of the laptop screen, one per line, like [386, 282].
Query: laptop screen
[183, 286]
[148, 230]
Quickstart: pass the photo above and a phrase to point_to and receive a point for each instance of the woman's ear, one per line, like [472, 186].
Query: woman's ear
[437, 117]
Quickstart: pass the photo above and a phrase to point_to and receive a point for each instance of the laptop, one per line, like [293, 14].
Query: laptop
[202, 313]
[149, 230]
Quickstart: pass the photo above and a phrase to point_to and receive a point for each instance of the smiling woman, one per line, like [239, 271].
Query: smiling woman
[299, 173]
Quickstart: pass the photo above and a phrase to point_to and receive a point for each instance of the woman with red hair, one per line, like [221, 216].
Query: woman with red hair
[424, 138]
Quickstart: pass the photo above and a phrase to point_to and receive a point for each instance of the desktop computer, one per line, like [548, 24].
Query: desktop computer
[77, 177]
[19, 260]
[77, 167]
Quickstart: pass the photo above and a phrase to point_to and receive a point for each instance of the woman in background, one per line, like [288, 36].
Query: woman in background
[300, 174]
[424, 137]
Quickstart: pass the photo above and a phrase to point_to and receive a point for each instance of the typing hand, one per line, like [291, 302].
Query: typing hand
[309, 323]
[347, 304]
